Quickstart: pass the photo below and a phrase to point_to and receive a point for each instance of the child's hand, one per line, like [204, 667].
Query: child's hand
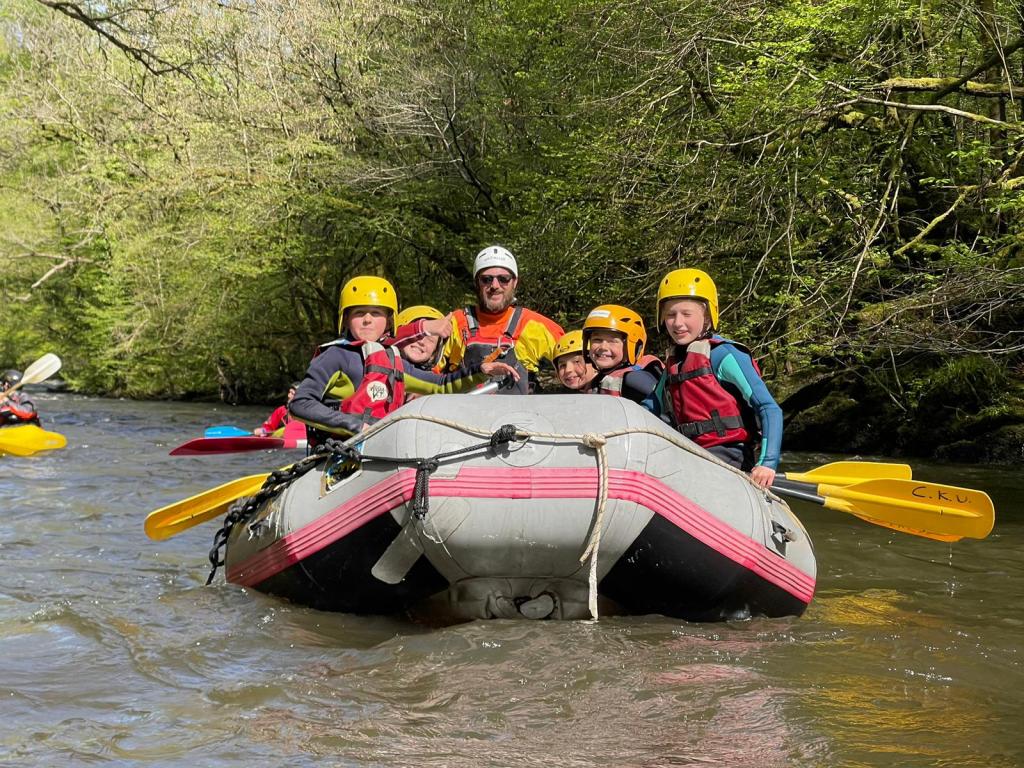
[763, 476]
[499, 369]
[260, 432]
[441, 327]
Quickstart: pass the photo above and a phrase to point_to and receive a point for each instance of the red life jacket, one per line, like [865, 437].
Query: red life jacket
[12, 410]
[477, 347]
[611, 382]
[382, 389]
[703, 409]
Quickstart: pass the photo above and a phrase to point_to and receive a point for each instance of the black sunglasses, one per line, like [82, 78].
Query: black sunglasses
[488, 279]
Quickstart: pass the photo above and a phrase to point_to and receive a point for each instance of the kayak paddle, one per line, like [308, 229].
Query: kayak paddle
[40, 370]
[175, 518]
[849, 472]
[931, 510]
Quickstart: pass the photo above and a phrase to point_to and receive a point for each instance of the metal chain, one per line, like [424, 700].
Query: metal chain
[276, 482]
[332, 448]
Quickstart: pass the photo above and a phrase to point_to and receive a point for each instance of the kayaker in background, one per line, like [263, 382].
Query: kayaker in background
[498, 329]
[329, 398]
[279, 417]
[15, 406]
[614, 339]
[713, 388]
[571, 365]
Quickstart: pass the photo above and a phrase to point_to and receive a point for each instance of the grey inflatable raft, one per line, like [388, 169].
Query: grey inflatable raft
[596, 506]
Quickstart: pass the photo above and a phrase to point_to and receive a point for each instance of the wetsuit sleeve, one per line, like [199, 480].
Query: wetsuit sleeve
[309, 406]
[640, 387]
[420, 382]
[409, 333]
[537, 341]
[735, 367]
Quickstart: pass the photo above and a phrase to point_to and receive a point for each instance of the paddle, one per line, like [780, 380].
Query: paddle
[931, 510]
[849, 472]
[40, 370]
[175, 518]
[26, 439]
[202, 446]
[225, 431]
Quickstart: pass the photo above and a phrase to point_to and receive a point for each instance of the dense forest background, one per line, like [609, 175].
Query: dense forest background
[185, 186]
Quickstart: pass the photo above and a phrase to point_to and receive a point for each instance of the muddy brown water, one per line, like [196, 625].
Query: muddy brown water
[113, 652]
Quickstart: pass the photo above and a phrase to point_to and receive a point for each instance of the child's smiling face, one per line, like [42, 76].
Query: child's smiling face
[685, 320]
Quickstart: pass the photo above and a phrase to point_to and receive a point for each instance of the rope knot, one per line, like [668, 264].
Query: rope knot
[593, 440]
[504, 434]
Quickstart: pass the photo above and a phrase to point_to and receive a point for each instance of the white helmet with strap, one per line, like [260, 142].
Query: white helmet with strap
[495, 256]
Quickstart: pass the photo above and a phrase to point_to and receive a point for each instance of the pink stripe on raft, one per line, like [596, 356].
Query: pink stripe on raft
[527, 483]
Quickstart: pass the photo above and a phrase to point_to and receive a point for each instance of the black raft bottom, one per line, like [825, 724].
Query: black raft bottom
[668, 571]
[338, 578]
[665, 571]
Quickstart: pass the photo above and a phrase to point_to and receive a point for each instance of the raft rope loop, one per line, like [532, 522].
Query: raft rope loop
[331, 448]
[592, 440]
[596, 443]
[426, 467]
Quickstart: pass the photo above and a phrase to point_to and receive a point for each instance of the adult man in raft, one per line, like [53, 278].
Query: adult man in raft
[497, 329]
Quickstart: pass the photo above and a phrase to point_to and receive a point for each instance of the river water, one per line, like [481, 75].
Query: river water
[112, 650]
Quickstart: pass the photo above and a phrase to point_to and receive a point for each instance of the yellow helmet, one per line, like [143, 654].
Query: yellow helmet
[570, 343]
[689, 283]
[367, 291]
[612, 317]
[417, 312]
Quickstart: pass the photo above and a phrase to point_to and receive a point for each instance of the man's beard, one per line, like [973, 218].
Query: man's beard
[506, 302]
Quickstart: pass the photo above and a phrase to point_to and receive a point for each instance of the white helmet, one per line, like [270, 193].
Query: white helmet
[495, 256]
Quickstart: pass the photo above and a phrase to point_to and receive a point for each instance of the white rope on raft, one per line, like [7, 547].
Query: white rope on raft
[594, 441]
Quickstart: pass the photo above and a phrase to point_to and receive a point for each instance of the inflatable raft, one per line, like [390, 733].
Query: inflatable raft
[593, 506]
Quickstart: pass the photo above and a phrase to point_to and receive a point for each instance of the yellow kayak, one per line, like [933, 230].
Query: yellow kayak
[26, 439]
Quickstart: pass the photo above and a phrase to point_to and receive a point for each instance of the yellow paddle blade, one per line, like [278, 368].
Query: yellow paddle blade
[943, 512]
[175, 518]
[850, 472]
[26, 439]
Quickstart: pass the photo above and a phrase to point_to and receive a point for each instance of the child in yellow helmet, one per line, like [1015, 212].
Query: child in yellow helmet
[326, 398]
[572, 367]
[614, 339]
[423, 349]
[713, 388]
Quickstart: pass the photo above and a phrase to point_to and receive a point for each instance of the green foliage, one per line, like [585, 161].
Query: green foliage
[180, 221]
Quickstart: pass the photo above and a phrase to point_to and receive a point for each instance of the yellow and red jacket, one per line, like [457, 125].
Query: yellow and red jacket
[518, 336]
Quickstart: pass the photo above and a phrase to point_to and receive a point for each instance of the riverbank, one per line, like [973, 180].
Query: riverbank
[967, 409]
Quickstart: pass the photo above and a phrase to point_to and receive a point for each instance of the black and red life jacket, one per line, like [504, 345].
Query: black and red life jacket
[702, 408]
[479, 348]
[383, 386]
[611, 382]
